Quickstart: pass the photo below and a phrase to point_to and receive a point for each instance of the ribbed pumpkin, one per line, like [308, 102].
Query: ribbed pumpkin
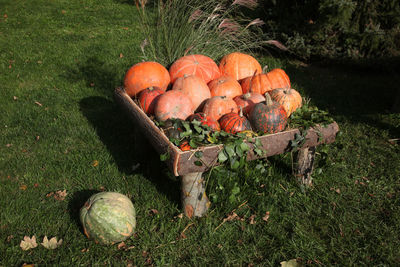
[173, 104]
[278, 79]
[194, 87]
[248, 100]
[239, 66]
[148, 98]
[225, 86]
[108, 218]
[217, 106]
[199, 65]
[289, 98]
[146, 74]
[265, 82]
[234, 122]
[205, 120]
[268, 117]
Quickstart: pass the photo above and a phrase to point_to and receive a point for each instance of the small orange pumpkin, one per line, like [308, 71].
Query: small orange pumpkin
[289, 98]
[234, 123]
[146, 74]
[225, 86]
[248, 100]
[239, 65]
[265, 82]
[194, 87]
[173, 104]
[148, 98]
[217, 106]
[199, 65]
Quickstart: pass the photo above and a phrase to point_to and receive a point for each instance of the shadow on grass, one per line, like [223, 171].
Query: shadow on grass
[78, 200]
[353, 92]
[128, 147]
[132, 153]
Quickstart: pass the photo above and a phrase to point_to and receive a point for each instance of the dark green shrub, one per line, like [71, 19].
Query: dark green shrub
[336, 28]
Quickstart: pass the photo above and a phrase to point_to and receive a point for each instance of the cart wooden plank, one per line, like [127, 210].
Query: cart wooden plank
[183, 162]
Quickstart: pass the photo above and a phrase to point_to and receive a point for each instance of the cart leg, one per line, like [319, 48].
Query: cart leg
[194, 199]
[305, 165]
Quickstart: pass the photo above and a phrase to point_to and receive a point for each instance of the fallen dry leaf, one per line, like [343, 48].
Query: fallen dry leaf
[28, 243]
[38, 103]
[28, 265]
[121, 55]
[121, 245]
[15, 98]
[8, 145]
[251, 219]
[95, 163]
[23, 187]
[60, 195]
[266, 217]
[153, 211]
[52, 243]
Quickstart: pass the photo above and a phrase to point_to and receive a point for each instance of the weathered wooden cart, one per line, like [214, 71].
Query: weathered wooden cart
[182, 163]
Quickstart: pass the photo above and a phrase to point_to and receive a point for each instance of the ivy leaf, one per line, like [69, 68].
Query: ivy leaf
[198, 163]
[198, 154]
[164, 157]
[222, 156]
[28, 243]
[229, 150]
[52, 243]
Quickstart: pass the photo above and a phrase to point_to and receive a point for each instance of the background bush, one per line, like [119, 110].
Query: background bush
[335, 28]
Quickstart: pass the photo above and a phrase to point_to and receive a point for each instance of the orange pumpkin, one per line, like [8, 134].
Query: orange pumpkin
[248, 100]
[225, 86]
[173, 104]
[217, 106]
[194, 87]
[146, 74]
[289, 98]
[239, 66]
[278, 79]
[234, 123]
[148, 98]
[199, 65]
[265, 82]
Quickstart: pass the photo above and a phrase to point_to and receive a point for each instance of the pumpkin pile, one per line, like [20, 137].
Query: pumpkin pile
[234, 96]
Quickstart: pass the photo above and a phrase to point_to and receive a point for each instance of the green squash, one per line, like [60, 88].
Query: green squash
[108, 218]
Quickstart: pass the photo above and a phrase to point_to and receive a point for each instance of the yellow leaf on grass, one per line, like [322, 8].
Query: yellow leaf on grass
[28, 243]
[52, 243]
[291, 263]
[95, 163]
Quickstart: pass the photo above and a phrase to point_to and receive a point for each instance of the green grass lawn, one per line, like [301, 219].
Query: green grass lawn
[61, 130]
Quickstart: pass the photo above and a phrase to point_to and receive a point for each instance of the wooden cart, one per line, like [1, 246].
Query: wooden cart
[182, 163]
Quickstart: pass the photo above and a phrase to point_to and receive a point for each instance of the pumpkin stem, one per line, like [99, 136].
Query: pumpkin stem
[246, 96]
[265, 69]
[241, 112]
[268, 99]
[251, 80]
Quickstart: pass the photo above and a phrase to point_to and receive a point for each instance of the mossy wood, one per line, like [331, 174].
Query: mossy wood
[183, 162]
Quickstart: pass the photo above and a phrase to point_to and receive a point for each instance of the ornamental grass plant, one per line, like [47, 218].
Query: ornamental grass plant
[175, 28]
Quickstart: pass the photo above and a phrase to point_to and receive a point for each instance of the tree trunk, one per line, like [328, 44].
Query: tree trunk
[305, 165]
[194, 199]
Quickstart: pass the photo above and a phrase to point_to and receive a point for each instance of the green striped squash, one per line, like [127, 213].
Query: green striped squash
[108, 218]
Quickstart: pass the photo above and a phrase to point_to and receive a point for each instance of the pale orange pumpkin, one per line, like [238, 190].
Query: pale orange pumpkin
[199, 65]
[239, 66]
[144, 75]
[194, 87]
[217, 106]
[289, 98]
[173, 104]
[225, 86]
